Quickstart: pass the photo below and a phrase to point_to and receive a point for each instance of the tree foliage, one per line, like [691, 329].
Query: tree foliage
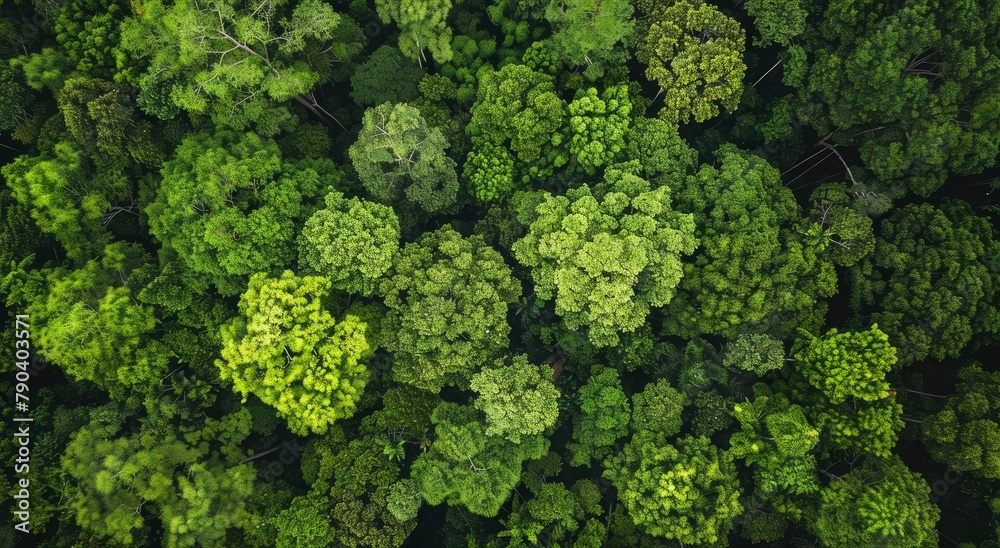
[695, 54]
[756, 269]
[227, 207]
[351, 242]
[286, 349]
[687, 492]
[881, 503]
[607, 255]
[447, 298]
[398, 155]
[966, 433]
[466, 466]
[518, 399]
[931, 283]
[231, 61]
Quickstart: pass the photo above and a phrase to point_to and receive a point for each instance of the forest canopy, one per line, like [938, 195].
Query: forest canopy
[500, 273]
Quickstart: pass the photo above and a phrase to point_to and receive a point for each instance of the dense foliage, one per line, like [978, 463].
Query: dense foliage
[563, 273]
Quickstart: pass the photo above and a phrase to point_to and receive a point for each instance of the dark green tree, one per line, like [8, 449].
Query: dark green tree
[966, 433]
[932, 282]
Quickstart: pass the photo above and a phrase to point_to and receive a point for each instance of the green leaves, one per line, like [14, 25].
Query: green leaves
[695, 54]
[607, 257]
[604, 417]
[448, 298]
[687, 492]
[423, 24]
[230, 62]
[882, 503]
[466, 466]
[351, 242]
[517, 108]
[931, 283]
[756, 269]
[288, 351]
[91, 326]
[586, 32]
[398, 155]
[227, 207]
[597, 126]
[518, 399]
[848, 365]
[966, 433]
[195, 490]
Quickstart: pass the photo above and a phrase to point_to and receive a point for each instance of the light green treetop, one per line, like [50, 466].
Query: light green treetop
[848, 365]
[288, 351]
[518, 399]
[607, 255]
[351, 242]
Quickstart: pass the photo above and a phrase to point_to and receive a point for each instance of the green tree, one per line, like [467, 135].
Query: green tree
[776, 439]
[352, 481]
[932, 282]
[290, 352]
[190, 478]
[87, 31]
[231, 61]
[448, 298]
[517, 108]
[879, 504]
[845, 227]
[754, 352]
[848, 365]
[518, 399]
[227, 206]
[90, 325]
[64, 197]
[695, 54]
[687, 492]
[404, 500]
[966, 433]
[597, 126]
[912, 86]
[656, 411]
[384, 78]
[861, 427]
[467, 467]
[100, 114]
[603, 420]
[660, 150]
[489, 171]
[607, 256]
[350, 242]
[587, 31]
[756, 269]
[553, 514]
[397, 154]
[422, 24]
[303, 525]
[778, 21]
